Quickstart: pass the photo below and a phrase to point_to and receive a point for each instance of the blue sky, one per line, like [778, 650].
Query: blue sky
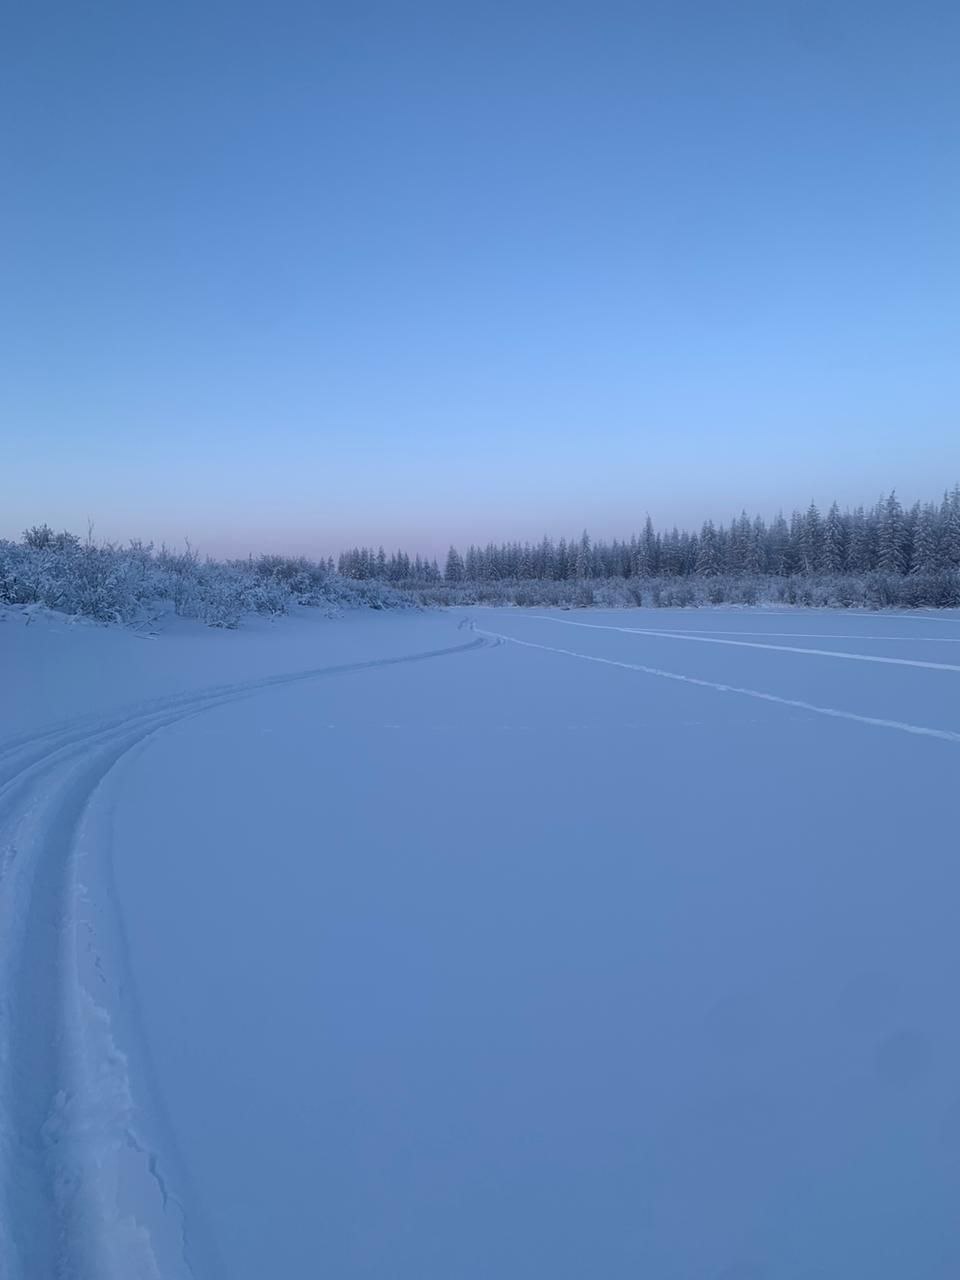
[302, 274]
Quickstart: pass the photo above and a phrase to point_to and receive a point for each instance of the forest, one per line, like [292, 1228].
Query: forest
[879, 556]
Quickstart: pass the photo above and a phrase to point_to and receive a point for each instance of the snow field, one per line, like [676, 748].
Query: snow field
[520, 959]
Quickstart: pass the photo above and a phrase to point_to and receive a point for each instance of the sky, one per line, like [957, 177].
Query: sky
[293, 276]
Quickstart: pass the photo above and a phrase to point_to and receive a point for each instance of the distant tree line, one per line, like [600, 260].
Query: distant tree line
[885, 538]
[364, 563]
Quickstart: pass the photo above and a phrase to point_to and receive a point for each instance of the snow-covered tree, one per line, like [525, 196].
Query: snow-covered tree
[584, 560]
[708, 556]
[891, 556]
[454, 567]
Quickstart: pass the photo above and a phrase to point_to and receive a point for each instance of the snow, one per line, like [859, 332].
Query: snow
[505, 943]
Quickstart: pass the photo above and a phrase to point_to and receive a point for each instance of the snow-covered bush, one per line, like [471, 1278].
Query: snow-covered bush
[870, 591]
[123, 584]
[93, 581]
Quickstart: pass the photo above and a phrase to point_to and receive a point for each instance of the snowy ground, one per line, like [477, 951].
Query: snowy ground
[487, 943]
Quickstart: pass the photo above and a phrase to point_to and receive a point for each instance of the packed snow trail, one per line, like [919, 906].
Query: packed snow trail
[65, 1107]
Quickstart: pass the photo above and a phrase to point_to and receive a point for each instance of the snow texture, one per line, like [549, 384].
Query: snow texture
[490, 942]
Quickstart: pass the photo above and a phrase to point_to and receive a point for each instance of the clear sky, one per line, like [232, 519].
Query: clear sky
[300, 274]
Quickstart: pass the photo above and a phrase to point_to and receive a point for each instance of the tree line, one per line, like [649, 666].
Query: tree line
[886, 538]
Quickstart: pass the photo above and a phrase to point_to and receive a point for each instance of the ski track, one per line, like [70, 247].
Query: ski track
[810, 611]
[945, 735]
[65, 1105]
[793, 635]
[752, 644]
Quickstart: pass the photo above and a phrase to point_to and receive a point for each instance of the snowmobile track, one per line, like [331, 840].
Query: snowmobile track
[52, 1221]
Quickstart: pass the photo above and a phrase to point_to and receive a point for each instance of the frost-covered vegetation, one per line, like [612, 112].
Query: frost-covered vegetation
[879, 558]
[882, 557]
[131, 583]
[871, 591]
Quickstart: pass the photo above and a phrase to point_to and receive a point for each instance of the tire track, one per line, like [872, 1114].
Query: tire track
[56, 1131]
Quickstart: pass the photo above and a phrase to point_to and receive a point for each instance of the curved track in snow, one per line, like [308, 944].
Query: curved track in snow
[65, 1107]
